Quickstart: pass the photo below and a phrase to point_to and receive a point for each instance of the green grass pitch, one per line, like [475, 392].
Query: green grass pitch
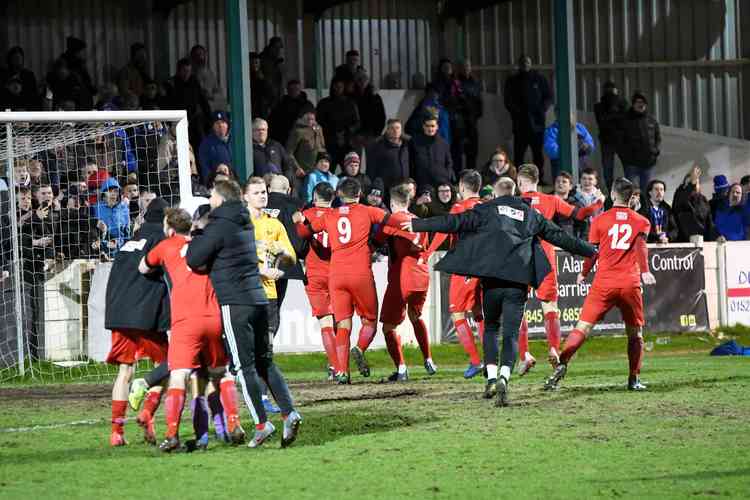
[687, 437]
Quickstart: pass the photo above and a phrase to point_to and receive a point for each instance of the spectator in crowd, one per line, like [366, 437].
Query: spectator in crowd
[445, 81]
[64, 85]
[609, 112]
[564, 190]
[285, 114]
[430, 156]
[94, 177]
[131, 194]
[375, 196]
[207, 79]
[587, 194]
[429, 106]
[552, 146]
[444, 200]
[304, 144]
[733, 216]
[745, 183]
[184, 92]
[692, 210]
[351, 67]
[75, 57]
[215, 148]
[352, 169]
[112, 216]
[77, 231]
[721, 193]
[270, 157]
[223, 172]
[151, 100]
[15, 71]
[11, 95]
[272, 66]
[659, 213]
[370, 107]
[388, 156]
[37, 173]
[339, 117]
[473, 110]
[263, 94]
[498, 166]
[47, 215]
[527, 99]
[321, 173]
[641, 141]
[131, 81]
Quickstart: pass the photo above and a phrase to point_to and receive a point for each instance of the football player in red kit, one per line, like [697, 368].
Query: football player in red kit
[549, 206]
[195, 338]
[408, 282]
[317, 267]
[464, 293]
[351, 283]
[621, 236]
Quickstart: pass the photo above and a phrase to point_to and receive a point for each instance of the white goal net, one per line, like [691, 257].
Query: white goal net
[73, 186]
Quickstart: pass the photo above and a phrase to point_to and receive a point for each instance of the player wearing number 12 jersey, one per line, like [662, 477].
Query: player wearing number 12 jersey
[621, 236]
[351, 283]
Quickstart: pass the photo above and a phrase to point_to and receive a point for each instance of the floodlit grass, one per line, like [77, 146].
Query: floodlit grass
[428, 438]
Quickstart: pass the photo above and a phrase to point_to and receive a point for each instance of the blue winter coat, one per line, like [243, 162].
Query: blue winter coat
[314, 178]
[733, 222]
[213, 152]
[552, 147]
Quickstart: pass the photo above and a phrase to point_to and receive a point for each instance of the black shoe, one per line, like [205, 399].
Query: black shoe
[552, 383]
[502, 392]
[359, 358]
[192, 445]
[490, 389]
[398, 377]
[634, 384]
[170, 444]
[343, 379]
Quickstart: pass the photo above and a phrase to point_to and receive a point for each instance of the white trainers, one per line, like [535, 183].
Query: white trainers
[261, 436]
[527, 364]
[291, 428]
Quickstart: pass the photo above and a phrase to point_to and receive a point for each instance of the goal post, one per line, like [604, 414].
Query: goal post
[72, 191]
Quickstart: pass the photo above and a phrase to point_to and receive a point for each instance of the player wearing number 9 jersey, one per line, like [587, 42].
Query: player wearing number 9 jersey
[351, 283]
[620, 234]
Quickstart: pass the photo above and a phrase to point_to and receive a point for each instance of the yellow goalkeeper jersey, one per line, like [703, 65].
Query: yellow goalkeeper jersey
[270, 239]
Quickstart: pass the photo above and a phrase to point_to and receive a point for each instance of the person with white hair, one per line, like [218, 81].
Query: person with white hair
[268, 155]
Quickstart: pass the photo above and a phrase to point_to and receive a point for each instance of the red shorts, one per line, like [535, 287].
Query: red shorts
[547, 291]
[395, 302]
[599, 301]
[197, 342]
[319, 296]
[350, 294]
[129, 345]
[464, 295]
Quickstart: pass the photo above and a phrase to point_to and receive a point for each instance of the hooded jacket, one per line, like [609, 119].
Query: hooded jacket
[117, 218]
[128, 290]
[227, 249]
[305, 143]
[513, 230]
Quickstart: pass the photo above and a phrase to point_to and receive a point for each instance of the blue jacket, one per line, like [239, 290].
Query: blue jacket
[128, 151]
[414, 123]
[212, 152]
[733, 222]
[117, 219]
[314, 178]
[552, 147]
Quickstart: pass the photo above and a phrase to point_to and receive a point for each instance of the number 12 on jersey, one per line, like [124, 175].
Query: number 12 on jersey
[620, 235]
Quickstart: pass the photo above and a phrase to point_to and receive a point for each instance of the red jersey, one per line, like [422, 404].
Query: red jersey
[191, 293]
[406, 264]
[318, 260]
[616, 231]
[457, 208]
[348, 229]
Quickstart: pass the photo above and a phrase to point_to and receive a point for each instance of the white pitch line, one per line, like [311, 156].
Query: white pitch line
[52, 426]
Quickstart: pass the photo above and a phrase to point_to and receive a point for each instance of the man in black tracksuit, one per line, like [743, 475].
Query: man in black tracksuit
[513, 230]
[227, 249]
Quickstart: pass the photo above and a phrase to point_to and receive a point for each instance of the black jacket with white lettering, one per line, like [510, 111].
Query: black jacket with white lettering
[501, 239]
[135, 300]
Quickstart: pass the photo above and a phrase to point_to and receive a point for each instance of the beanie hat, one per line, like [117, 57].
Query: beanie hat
[720, 183]
[351, 157]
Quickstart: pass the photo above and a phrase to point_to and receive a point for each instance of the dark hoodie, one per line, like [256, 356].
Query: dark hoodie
[77, 66]
[227, 249]
[29, 92]
[285, 114]
[128, 290]
[338, 115]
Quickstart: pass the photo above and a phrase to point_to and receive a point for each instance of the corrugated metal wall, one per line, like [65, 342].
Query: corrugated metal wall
[394, 38]
[684, 54]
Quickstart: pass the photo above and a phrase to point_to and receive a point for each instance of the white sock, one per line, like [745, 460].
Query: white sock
[491, 372]
[264, 397]
[429, 360]
[402, 368]
[505, 372]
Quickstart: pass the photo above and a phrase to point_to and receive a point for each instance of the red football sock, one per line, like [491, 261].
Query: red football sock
[480, 327]
[151, 404]
[523, 340]
[574, 341]
[343, 344]
[118, 415]
[228, 396]
[552, 328]
[173, 405]
[366, 334]
[635, 354]
[393, 344]
[423, 339]
[466, 337]
[328, 335]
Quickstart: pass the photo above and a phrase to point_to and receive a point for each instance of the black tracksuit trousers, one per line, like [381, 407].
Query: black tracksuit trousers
[502, 301]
